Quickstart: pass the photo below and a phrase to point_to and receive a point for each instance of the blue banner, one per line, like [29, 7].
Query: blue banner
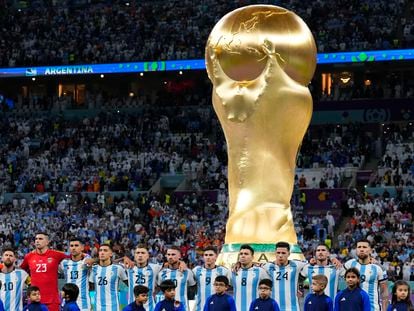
[365, 56]
[136, 67]
[197, 64]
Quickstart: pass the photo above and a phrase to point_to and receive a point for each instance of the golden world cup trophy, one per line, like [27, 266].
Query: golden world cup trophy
[260, 59]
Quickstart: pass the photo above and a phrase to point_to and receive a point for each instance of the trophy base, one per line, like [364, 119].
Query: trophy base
[262, 253]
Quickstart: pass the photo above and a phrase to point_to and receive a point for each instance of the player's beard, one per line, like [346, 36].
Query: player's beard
[362, 256]
[8, 264]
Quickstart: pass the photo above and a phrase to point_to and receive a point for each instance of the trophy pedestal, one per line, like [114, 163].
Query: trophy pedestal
[262, 253]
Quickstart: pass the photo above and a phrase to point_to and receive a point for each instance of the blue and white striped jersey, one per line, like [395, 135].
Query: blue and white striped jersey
[11, 292]
[329, 271]
[285, 283]
[246, 286]
[146, 276]
[371, 276]
[181, 279]
[76, 272]
[106, 280]
[205, 280]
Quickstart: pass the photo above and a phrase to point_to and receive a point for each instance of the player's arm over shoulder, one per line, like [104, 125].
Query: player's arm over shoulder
[191, 280]
[301, 264]
[122, 274]
[25, 263]
[348, 263]
[382, 274]
[60, 255]
[264, 274]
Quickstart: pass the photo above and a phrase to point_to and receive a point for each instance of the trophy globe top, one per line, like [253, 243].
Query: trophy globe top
[241, 40]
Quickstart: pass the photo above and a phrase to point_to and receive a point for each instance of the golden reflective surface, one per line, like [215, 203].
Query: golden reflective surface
[260, 60]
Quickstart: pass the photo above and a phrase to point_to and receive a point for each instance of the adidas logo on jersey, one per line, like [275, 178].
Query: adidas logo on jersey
[257, 308]
[310, 302]
[212, 303]
[343, 299]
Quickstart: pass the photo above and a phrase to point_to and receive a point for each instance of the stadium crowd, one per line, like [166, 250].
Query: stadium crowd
[396, 168]
[340, 145]
[387, 223]
[192, 221]
[386, 219]
[60, 160]
[74, 156]
[110, 152]
[65, 162]
[73, 32]
[115, 152]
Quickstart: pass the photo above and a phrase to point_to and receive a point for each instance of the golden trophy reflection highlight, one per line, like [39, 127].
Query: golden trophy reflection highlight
[260, 59]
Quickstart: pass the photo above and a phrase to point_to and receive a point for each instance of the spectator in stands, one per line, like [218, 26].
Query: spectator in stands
[53, 37]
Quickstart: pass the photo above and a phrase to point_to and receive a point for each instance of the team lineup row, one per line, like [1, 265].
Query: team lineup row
[103, 276]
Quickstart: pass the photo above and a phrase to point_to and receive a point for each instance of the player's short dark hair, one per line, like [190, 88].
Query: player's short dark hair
[32, 289]
[176, 248]
[77, 239]
[247, 246]
[42, 232]
[167, 284]
[109, 245]
[354, 271]
[282, 244]
[223, 279]
[322, 244]
[140, 289]
[363, 241]
[142, 245]
[8, 249]
[211, 248]
[321, 279]
[267, 282]
[71, 291]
